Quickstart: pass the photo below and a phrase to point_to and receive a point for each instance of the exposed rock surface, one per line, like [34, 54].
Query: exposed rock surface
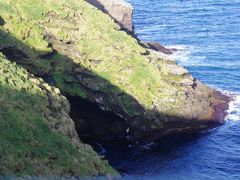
[158, 47]
[37, 135]
[120, 10]
[82, 52]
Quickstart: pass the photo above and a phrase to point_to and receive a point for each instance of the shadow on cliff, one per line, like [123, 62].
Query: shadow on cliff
[153, 155]
[30, 142]
[93, 119]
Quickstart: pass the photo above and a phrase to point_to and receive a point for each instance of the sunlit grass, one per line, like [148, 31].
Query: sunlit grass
[28, 146]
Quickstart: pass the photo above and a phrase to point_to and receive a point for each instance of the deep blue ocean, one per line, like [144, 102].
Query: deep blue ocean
[207, 34]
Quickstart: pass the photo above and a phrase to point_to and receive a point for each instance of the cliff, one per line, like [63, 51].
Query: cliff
[119, 10]
[37, 135]
[84, 53]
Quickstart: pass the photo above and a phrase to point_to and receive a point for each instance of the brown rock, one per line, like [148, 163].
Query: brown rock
[158, 47]
[119, 10]
[219, 103]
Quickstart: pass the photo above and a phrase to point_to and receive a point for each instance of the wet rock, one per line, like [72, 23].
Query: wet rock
[176, 69]
[158, 47]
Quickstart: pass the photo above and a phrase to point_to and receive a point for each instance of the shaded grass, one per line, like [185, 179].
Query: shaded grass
[28, 146]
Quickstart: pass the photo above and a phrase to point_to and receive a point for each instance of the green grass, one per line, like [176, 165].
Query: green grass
[28, 146]
[95, 37]
[73, 88]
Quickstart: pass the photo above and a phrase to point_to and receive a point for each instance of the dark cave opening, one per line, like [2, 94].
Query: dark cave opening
[93, 123]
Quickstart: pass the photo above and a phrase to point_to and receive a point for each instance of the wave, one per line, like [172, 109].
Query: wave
[189, 55]
[234, 105]
[184, 57]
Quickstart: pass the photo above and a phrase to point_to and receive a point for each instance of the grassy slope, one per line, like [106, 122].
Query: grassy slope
[97, 37]
[27, 145]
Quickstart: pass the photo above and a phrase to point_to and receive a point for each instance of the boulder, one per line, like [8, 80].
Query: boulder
[119, 10]
[158, 47]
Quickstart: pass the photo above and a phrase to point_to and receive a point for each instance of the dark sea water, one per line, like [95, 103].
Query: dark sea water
[207, 34]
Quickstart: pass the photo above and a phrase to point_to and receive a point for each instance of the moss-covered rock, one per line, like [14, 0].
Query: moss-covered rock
[84, 53]
[37, 135]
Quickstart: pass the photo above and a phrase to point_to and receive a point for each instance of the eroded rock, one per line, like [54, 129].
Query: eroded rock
[119, 10]
[158, 47]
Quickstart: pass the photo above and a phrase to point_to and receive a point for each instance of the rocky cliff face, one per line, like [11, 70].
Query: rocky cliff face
[84, 53]
[119, 10]
[37, 135]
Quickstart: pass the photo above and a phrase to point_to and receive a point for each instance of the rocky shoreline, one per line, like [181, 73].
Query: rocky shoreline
[117, 87]
[216, 102]
[122, 13]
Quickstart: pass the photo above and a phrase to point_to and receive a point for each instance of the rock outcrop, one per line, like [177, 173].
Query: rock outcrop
[119, 10]
[158, 47]
[83, 52]
[37, 135]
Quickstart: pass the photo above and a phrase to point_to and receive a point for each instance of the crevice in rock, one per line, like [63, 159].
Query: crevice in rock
[194, 86]
[93, 123]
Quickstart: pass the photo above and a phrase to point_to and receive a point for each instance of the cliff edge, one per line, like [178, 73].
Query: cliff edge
[119, 10]
[80, 50]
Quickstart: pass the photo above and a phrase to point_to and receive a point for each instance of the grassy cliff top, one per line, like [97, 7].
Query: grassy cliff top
[96, 44]
[84, 53]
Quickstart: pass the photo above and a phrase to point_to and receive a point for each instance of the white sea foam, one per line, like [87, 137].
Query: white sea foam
[182, 54]
[234, 106]
[184, 57]
[148, 146]
[102, 151]
[234, 109]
